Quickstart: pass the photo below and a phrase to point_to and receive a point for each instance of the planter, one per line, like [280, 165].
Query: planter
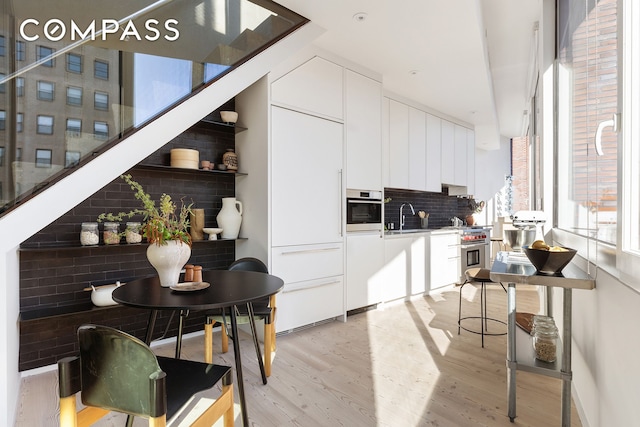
[168, 260]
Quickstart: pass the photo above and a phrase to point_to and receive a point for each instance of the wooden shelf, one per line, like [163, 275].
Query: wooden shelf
[165, 167]
[236, 128]
[43, 247]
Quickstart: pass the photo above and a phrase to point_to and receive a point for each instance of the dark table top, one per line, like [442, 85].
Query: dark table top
[227, 288]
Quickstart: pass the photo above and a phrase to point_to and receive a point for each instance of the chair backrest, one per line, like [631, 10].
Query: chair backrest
[119, 372]
[249, 264]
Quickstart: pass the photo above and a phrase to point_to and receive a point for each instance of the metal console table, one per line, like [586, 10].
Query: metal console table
[515, 268]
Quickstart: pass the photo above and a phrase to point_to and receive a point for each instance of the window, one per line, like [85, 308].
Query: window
[19, 154]
[71, 158]
[101, 70]
[74, 63]
[43, 158]
[3, 86]
[100, 130]
[21, 51]
[19, 122]
[45, 91]
[101, 101]
[3, 119]
[45, 125]
[19, 86]
[43, 52]
[2, 46]
[74, 95]
[74, 128]
[1, 156]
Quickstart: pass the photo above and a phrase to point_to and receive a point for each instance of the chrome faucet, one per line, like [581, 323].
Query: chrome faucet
[402, 216]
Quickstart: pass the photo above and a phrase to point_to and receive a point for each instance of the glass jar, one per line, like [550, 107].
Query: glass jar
[111, 233]
[89, 234]
[132, 232]
[545, 342]
[542, 320]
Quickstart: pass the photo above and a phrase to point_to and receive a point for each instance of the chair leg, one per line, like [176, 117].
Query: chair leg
[224, 338]
[268, 347]
[252, 323]
[482, 322]
[460, 304]
[208, 341]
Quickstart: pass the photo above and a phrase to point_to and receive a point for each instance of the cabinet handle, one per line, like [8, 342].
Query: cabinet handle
[305, 287]
[603, 124]
[340, 233]
[302, 251]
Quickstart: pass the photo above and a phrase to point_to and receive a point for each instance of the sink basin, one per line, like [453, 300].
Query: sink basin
[415, 230]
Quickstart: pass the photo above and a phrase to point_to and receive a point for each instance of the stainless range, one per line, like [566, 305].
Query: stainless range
[474, 249]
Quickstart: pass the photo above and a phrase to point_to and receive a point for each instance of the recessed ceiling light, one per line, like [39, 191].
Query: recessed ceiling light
[360, 17]
[414, 72]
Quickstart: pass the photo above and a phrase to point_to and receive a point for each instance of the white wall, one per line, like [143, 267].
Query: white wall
[491, 168]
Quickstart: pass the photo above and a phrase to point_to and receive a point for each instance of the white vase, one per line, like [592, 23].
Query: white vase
[230, 217]
[168, 260]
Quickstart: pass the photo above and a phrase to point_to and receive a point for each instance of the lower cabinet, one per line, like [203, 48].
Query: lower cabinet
[405, 266]
[313, 283]
[365, 262]
[444, 259]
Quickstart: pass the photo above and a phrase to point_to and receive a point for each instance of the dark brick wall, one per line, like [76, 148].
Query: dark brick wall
[54, 268]
[440, 207]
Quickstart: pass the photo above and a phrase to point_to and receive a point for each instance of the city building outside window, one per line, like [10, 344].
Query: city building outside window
[43, 52]
[101, 69]
[21, 50]
[1, 156]
[74, 63]
[19, 122]
[3, 119]
[3, 86]
[74, 95]
[45, 125]
[2, 46]
[101, 101]
[71, 158]
[19, 86]
[43, 158]
[46, 90]
[19, 154]
[74, 128]
[100, 130]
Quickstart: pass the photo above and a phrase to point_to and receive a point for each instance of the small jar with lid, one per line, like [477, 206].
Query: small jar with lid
[111, 233]
[132, 232]
[539, 320]
[545, 342]
[89, 234]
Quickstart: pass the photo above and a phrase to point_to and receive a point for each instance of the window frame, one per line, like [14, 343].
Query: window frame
[38, 160]
[73, 132]
[71, 98]
[100, 135]
[40, 92]
[68, 63]
[21, 50]
[101, 76]
[41, 126]
[39, 55]
[99, 105]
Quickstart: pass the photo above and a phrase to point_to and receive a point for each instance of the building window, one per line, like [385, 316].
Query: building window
[74, 95]
[101, 130]
[45, 125]
[74, 128]
[45, 91]
[43, 52]
[1, 156]
[43, 158]
[3, 119]
[19, 122]
[19, 154]
[71, 158]
[19, 86]
[2, 46]
[3, 86]
[21, 50]
[101, 70]
[101, 101]
[74, 63]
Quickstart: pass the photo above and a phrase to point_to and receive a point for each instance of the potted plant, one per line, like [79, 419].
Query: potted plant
[476, 207]
[166, 231]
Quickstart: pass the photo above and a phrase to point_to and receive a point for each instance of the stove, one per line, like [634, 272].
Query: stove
[474, 249]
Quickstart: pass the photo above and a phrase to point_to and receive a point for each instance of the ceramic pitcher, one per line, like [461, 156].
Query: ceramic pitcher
[230, 217]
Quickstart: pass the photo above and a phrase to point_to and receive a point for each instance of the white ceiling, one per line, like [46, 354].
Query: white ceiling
[458, 71]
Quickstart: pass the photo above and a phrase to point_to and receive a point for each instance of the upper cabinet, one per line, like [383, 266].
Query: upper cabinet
[471, 161]
[398, 145]
[417, 149]
[434, 168]
[447, 153]
[315, 87]
[363, 117]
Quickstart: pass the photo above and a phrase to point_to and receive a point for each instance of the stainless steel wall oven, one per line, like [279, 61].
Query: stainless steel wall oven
[364, 210]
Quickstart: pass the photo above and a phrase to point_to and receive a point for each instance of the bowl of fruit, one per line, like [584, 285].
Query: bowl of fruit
[548, 259]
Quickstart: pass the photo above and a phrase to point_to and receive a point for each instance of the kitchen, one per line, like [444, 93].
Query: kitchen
[604, 320]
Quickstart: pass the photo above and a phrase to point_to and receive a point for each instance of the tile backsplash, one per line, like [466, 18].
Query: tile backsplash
[440, 206]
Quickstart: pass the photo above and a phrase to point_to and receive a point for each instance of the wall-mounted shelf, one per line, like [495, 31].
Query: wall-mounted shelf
[54, 246]
[165, 167]
[236, 128]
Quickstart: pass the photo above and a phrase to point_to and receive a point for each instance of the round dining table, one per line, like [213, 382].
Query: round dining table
[227, 289]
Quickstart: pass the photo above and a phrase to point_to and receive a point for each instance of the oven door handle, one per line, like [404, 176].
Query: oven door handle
[376, 201]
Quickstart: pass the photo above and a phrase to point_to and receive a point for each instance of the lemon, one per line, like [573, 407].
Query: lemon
[540, 244]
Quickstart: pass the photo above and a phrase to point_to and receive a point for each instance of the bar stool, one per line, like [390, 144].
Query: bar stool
[479, 275]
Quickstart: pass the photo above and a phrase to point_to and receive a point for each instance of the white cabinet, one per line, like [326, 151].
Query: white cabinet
[398, 145]
[365, 260]
[315, 87]
[363, 114]
[460, 150]
[433, 168]
[405, 266]
[471, 162]
[447, 152]
[444, 259]
[417, 149]
[306, 164]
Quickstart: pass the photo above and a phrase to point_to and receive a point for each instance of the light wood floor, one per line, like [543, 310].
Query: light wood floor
[404, 365]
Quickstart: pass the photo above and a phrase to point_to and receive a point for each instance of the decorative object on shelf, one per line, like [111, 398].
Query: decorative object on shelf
[545, 341]
[111, 233]
[101, 295]
[424, 219]
[185, 158]
[230, 159]
[222, 167]
[132, 232]
[166, 231]
[188, 273]
[470, 220]
[197, 224]
[89, 234]
[229, 117]
[212, 232]
[205, 164]
[230, 217]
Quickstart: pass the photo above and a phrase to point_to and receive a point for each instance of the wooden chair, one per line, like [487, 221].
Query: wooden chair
[264, 309]
[482, 276]
[117, 372]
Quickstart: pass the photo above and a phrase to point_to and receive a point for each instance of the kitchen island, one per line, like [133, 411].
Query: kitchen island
[515, 268]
